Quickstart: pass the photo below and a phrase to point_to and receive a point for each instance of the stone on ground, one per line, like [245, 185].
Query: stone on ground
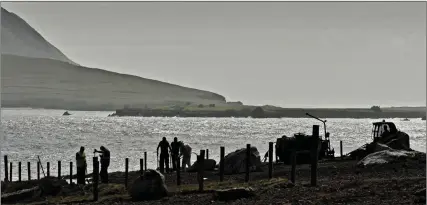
[392, 156]
[235, 162]
[209, 165]
[150, 186]
[233, 194]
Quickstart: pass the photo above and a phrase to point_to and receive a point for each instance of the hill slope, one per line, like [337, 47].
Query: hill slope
[36, 74]
[19, 38]
[45, 83]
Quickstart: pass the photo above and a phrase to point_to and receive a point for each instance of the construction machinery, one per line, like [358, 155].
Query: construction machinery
[302, 144]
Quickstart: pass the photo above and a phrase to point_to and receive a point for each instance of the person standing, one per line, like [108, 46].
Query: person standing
[175, 153]
[186, 156]
[81, 166]
[105, 163]
[164, 154]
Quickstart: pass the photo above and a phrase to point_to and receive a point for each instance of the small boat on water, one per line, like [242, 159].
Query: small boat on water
[406, 119]
[66, 113]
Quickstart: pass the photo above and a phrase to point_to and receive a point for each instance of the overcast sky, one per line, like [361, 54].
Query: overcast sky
[291, 54]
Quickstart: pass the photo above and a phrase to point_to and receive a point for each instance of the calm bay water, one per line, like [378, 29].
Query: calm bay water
[28, 133]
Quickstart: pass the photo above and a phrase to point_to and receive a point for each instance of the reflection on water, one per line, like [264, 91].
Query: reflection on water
[31, 132]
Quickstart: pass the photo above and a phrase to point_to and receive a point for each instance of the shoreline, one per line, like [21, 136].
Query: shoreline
[260, 112]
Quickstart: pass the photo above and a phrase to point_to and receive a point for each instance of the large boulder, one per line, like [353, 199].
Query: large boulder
[209, 165]
[233, 194]
[21, 195]
[51, 186]
[235, 162]
[392, 156]
[150, 186]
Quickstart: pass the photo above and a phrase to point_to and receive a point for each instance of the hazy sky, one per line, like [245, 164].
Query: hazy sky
[291, 54]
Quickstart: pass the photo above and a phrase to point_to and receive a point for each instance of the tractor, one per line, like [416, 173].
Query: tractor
[302, 144]
[384, 133]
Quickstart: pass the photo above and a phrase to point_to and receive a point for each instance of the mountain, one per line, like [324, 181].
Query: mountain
[34, 73]
[19, 38]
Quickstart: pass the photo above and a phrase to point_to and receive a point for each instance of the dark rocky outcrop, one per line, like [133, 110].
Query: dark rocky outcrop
[150, 186]
[233, 194]
[66, 113]
[31, 190]
[209, 165]
[235, 162]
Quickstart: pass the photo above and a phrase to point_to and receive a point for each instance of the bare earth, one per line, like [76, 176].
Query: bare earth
[339, 182]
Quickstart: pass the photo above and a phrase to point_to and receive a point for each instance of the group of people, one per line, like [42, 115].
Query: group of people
[82, 164]
[176, 150]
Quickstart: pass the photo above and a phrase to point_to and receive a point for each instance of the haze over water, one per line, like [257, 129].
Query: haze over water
[32, 132]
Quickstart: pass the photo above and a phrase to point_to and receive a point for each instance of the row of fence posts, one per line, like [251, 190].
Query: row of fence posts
[200, 161]
[8, 170]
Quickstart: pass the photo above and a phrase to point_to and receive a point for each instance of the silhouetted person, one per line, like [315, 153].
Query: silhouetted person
[164, 154]
[385, 132]
[105, 162]
[81, 166]
[185, 153]
[175, 153]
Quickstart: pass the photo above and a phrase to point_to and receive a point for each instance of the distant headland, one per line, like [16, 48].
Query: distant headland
[267, 111]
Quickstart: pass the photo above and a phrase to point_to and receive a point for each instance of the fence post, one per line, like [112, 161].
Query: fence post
[141, 166]
[294, 164]
[207, 153]
[29, 171]
[270, 160]
[19, 171]
[314, 154]
[248, 161]
[10, 172]
[145, 161]
[341, 149]
[126, 172]
[59, 169]
[221, 164]
[95, 175]
[178, 171]
[6, 174]
[201, 168]
[71, 173]
[48, 169]
[38, 170]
